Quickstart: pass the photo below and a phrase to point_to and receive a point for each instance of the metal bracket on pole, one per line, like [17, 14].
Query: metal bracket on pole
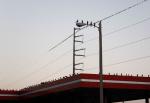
[79, 41]
[79, 36]
[75, 37]
[80, 69]
[79, 55]
[80, 49]
[79, 63]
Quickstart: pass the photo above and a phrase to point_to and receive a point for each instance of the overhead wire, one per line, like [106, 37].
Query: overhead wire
[58, 44]
[57, 71]
[120, 46]
[127, 44]
[122, 62]
[110, 33]
[120, 29]
[61, 56]
[65, 67]
[107, 50]
[103, 20]
[115, 30]
[126, 27]
[123, 45]
[39, 69]
[119, 12]
[129, 60]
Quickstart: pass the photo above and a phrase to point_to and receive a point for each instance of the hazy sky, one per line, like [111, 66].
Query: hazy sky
[29, 28]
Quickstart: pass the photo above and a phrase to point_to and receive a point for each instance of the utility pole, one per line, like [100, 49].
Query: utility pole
[147, 100]
[100, 63]
[99, 27]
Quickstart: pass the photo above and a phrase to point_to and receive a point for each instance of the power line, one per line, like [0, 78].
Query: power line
[60, 43]
[63, 68]
[107, 50]
[120, 29]
[97, 22]
[122, 62]
[127, 44]
[126, 27]
[129, 60]
[58, 71]
[122, 10]
[41, 68]
[120, 46]
[61, 56]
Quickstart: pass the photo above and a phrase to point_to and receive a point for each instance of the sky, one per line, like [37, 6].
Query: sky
[29, 28]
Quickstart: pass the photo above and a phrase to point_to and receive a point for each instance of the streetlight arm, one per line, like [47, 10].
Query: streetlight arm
[81, 24]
